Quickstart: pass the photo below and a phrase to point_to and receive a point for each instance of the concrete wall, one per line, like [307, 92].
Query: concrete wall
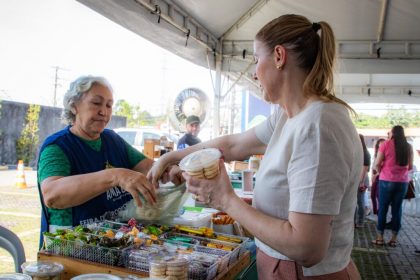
[12, 121]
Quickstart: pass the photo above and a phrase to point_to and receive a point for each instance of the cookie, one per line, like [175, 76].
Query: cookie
[197, 174]
[211, 171]
[157, 270]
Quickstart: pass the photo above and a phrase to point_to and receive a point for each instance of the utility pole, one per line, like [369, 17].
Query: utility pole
[55, 86]
[56, 83]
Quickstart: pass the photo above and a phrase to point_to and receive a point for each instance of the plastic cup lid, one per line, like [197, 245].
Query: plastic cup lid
[157, 260]
[180, 261]
[14, 276]
[42, 268]
[200, 159]
[170, 260]
[96, 276]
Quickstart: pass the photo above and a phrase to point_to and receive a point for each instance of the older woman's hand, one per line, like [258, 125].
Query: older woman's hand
[136, 183]
[216, 193]
[158, 172]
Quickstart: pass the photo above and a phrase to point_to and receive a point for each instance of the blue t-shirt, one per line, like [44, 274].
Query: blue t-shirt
[187, 140]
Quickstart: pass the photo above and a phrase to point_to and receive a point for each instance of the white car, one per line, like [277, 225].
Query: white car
[136, 136]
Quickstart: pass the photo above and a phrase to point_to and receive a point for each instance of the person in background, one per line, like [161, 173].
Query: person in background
[192, 126]
[394, 160]
[375, 179]
[363, 186]
[306, 186]
[86, 173]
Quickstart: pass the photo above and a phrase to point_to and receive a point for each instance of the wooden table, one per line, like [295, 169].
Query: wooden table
[74, 267]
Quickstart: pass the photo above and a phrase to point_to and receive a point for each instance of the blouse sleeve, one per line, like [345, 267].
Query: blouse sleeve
[318, 171]
[264, 130]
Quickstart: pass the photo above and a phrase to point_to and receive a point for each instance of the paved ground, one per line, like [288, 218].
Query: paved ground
[20, 211]
[384, 262]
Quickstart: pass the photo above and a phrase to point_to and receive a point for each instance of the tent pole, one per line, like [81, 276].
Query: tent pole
[217, 93]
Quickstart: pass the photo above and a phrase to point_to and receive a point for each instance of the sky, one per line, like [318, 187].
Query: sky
[38, 36]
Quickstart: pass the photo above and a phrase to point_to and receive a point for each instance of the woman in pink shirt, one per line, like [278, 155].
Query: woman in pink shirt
[394, 159]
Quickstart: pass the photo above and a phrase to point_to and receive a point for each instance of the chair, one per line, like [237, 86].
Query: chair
[12, 243]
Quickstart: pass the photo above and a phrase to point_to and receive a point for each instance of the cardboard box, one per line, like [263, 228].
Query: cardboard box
[151, 148]
[238, 166]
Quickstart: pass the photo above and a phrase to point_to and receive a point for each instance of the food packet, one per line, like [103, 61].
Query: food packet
[169, 201]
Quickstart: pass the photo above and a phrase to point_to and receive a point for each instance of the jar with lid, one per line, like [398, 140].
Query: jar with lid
[43, 270]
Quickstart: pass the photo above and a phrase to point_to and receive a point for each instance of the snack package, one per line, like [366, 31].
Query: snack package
[169, 201]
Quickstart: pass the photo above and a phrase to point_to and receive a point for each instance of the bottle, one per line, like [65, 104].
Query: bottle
[254, 163]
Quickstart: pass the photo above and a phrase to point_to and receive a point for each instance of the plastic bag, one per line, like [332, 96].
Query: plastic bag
[169, 201]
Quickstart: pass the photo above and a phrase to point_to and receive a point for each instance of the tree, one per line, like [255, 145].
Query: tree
[392, 117]
[27, 143]
[135, 116]
[123, 108]
[399, 117]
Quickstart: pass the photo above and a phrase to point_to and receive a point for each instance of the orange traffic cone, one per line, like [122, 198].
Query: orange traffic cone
[20, 178]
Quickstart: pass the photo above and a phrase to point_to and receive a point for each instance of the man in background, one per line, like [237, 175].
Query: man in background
[192, 126]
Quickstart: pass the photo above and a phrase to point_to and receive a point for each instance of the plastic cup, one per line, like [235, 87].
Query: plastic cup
[43, 270]
[168, 267]
[177, 268]
[203, 164]
[157, 267]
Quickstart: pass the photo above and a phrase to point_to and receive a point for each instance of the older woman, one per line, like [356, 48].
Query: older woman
[394, 160]
[306, 187]
[86, 172]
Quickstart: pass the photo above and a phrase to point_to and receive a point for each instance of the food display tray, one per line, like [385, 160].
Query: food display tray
[138, 259]
[205, 263]
[82, 251]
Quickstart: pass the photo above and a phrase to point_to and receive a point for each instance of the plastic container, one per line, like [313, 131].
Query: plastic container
[228, 229]
[96, 276]
[254, 163]
[247, 181]
[43, 270]
[202, 163]
[14, 276]
[193, 219]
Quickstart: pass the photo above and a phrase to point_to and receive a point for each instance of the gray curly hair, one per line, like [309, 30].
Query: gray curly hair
[76, 91]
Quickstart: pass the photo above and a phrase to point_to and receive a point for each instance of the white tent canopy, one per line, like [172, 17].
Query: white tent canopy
[378, 41]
